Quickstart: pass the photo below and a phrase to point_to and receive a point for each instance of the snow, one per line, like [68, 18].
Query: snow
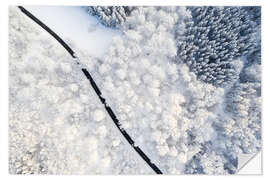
[102, 131]
[72, 22]
[121, 73]
[160, 99]
[66, 67]
[74, 87]
[182, 157]
[155, 100]
[169, 113]
[98, 115]
[57, 125]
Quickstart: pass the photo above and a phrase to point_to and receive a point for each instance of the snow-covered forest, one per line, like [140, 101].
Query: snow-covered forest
[184, 82]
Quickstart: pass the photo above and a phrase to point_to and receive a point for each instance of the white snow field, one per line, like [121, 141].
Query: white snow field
[57, 125]
[71, 22]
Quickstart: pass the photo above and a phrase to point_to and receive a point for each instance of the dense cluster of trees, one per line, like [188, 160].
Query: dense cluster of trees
[216, 36]
[209, 41]
[243, 103]
[221, 45]
[111, 16]
[155, 97]
[57, 124]
[184, 82]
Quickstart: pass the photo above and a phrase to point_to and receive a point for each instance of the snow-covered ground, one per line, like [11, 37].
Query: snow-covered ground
[162, 105]
[72, 22]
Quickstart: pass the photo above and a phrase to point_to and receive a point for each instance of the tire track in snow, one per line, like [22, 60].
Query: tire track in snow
[95, 87]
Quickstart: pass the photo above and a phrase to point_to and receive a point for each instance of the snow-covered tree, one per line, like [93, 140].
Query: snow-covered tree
[254, 13]
[214, 37]
[164, 78]
[111, 16]
[244, 104]
[57, 124]
[156, 98]
[209, 161]
[167, 98]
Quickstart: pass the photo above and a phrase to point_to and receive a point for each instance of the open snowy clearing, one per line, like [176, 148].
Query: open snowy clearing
[71, 22]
